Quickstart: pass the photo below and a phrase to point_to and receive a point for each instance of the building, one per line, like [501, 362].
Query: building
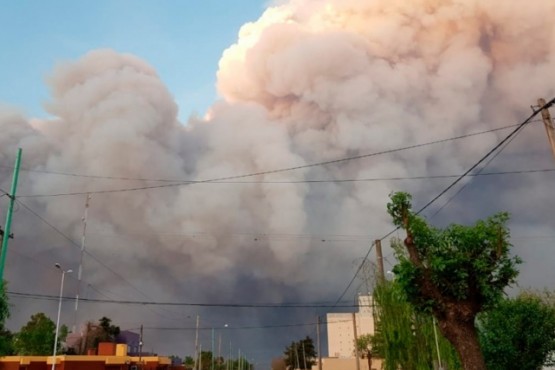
[110, 357]
[132, 340]
[341, 337]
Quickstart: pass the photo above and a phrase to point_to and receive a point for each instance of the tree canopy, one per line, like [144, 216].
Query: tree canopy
[301, 354]
[405, 338]
[453, 273]
[518, 334]
[103, 331]
[6, 337]
[36, 338]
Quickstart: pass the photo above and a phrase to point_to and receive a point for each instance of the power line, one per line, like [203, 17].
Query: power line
[450, 186]
[75, 244]
[126, 178]
[493, 150]
[478, 173]
[234, 177]
[324, 181]
[186, 304]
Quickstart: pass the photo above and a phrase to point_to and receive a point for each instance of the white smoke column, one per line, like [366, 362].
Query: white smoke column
[352, 77]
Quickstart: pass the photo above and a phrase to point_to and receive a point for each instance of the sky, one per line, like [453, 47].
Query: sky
[245, 153]
[183, 40]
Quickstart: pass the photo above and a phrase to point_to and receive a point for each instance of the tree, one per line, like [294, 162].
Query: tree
[108, 332]
[189, 362]
[404, 338]
[6, 337]
[36, 338]
[518, 334]
[301, 354]
[103, 331]
[453, 273]
[6, 343]
[365, 346]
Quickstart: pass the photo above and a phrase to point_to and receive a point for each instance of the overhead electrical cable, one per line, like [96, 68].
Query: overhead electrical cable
[267, 172]
[75, 244]
[450, 186]
[478, 173]
[186, 304]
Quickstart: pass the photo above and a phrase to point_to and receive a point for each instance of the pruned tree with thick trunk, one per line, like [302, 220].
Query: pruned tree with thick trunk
[454, 273]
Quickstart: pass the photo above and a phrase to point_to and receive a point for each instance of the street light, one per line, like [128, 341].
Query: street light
[64, 272]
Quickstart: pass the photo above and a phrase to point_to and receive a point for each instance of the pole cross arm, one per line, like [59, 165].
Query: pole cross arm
[2, 234]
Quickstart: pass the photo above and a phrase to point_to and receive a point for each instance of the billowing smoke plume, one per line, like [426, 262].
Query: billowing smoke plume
[310, 81]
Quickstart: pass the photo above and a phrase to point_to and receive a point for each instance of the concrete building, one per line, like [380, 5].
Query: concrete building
[341, 338]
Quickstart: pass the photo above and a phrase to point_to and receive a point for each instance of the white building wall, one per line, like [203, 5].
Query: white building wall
[340, 329]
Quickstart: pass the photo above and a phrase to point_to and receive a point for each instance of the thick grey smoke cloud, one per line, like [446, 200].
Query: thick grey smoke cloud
[309, 81]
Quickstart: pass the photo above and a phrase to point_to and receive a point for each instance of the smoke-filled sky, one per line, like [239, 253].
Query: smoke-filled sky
[304, 82]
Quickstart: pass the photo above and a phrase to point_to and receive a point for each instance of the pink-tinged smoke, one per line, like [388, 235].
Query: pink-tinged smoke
[309, 81]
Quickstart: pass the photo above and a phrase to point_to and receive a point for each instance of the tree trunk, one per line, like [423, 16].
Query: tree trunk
[464, 337]
[369, 357]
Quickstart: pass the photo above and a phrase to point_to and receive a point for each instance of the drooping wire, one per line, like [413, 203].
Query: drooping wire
[267, 172]
[450, 186]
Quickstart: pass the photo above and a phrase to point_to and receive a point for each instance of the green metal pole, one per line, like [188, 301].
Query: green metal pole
[8, 226]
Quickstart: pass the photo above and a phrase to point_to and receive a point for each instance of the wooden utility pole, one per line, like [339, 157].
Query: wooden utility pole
[379, 260]
[356, 341]
[548, 123]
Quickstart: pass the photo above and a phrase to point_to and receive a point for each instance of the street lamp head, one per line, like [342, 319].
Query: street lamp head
[58, 265]
[69, 271]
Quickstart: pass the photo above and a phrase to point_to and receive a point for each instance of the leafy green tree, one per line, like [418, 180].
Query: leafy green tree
[454, 273]
[4, 305]
[6, 343]
[301, 354]
[206, 359]
[404, 338]
[189, 362]
[36, 338]
[6, 337]
[518, 334]
[239, 365]
[108, 332]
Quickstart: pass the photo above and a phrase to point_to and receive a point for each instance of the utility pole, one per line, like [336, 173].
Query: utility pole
[304, 356]
[200, 357]
[440, 365]
[8, 226]
[356, 341]
[297, 355]
[219, 346]
[80, 272]
[141, 348]
[548, 123]
[229, 358]
[319, 344]
[196, 345]
[212, 362]
[379, 260]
